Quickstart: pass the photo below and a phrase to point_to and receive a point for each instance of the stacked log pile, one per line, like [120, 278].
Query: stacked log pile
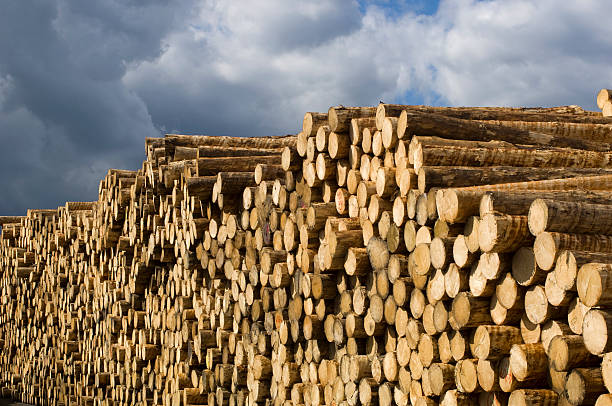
[384, 255]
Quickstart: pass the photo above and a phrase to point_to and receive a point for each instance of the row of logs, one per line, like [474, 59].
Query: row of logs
[384, 255]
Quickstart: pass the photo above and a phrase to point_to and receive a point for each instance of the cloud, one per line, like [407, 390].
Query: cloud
[523, 53]
[82, 84]
[65, 115]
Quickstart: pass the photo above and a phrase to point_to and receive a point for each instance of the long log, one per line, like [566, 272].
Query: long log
[459, 176]
[569, 217]
[563, 114]
[430, 153]
[451, 128]
[458, 204]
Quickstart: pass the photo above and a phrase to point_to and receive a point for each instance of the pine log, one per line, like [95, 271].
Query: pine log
[468, 311]
[596, 330]
[568, 351]
[569, 262]
[586, 131]
[456, 205]
[503, 233]
[460, 176]
[594, 284]
[494, 342]
[569, 217]
[528, 361]
[520, 203]
[554, 114]
[451, 128]
[584, 385]
[312, 122]
[535, 397]
[438, 153]
[339, 118]
[548, 246]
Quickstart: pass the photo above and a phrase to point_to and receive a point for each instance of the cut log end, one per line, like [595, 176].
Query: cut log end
[538, 216]
[378, 253]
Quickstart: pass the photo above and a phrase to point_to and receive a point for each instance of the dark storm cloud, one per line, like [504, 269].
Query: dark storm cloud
[65, 115]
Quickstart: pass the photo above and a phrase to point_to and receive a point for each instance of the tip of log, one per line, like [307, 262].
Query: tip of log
[487, 232]
[538, 216]
[545, 250]
[602, 97]
[378, 252]
[332, 118]
[595, 331]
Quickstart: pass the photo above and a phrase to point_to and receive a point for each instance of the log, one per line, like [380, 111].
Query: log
[503, 233]
[357, 127]
[494, 342]
[592, 132]
[537, 306]
[606, 370]
[528, 361]
[602, 97]
[311, 123]
[569, 262]
[172, 141]
[548, 246]
[594, 285]
[525, 269]
[460, 176]
[569, 217]
[596, 331]
[210, 166]
[555, 114]
[466, 376]
[456, 205]
[491, 155]
[584, 385]
[520, 203]
[339, 118]
[568, 351]
[11, 220]
[421, 123]
[469, 311]
[441, 378]
[508, 292]
[539, 397]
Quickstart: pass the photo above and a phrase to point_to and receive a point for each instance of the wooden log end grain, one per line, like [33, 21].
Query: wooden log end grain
[528, 361]
[568, 351]
[466, 376]
[378, 253]
[488, 375]
[494, 342]
[503, 233]
[603, 96]
[469, 311]
[545, 250]
[596, 330]
[583, 386]
[525, 270]
[537, 307]
[594, 284]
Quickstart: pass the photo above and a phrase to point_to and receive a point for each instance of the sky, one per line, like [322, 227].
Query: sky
[82, 83]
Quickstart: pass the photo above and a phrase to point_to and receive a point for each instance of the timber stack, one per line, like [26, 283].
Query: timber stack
[386, 255]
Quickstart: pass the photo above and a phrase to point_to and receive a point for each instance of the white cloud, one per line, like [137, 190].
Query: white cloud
[524, 53]
[268, 62]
